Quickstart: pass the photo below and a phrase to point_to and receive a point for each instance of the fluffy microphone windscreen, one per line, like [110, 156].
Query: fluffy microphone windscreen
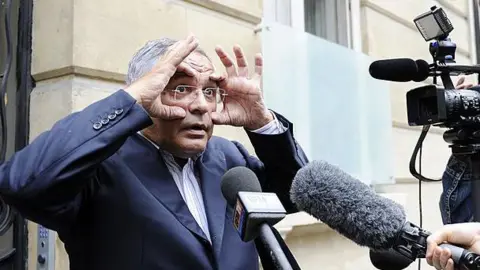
[347, 205]
[239, 179]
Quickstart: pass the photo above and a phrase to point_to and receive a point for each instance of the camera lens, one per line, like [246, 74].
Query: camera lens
[462, 103]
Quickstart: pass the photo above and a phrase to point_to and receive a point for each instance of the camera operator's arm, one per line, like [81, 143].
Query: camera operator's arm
[455, 201]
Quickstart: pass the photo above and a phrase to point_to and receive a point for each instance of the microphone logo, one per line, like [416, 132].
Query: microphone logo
[239, 216]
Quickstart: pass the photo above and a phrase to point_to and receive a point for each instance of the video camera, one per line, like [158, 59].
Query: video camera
[432, 104]
[458, 110]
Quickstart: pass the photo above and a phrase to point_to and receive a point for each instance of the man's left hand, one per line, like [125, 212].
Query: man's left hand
[244, 105]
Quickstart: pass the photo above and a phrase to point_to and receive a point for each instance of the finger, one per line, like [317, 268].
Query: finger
[431, 245]
[241, 61]
[444, 256]
[226, 61]
[188, 70]
[219, 118]
[460, 81]
[462, 86]
[218, 77]
[180, 50]
[258, 64]
[449, 265]
[172, 112]
[436, 258]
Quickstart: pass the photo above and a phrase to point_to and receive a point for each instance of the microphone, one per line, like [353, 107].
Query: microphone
[354, 210]
[254, 213]
[400, 70]
[389, 259]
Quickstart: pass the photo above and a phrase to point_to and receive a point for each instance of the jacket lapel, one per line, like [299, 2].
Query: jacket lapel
[212, 167]
[159, 182]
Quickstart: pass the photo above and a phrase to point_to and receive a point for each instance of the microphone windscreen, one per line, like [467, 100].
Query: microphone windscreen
[347, 205]
[398, 70]
[389, 260]
[239, 179]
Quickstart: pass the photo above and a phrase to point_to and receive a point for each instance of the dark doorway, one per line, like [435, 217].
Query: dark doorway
[16, 85]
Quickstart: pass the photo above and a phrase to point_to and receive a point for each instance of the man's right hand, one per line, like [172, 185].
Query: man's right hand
[147, 89]
[466, 235]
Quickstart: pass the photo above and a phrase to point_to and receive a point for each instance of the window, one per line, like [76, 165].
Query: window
[334, 20]
[328, 19]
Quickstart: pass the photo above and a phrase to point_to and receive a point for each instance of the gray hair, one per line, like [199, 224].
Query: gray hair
[145, 58]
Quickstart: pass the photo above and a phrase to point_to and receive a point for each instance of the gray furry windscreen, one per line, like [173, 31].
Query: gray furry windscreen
[347, 205]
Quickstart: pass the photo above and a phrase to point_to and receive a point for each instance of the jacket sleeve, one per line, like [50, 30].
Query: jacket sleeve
[456, 205]
[279, 159]
[49, 179]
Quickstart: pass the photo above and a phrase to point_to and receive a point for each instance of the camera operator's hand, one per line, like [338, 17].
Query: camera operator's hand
[466, 235]
[462, 85]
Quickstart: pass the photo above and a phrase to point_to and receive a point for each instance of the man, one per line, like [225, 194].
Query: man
[455, 201]
[466, 235]
[133, 180]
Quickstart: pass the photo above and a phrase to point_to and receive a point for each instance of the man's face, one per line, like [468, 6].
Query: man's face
[188, 136]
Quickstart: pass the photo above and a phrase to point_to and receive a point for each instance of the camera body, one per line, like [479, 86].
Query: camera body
[450, 108]
[442, 106]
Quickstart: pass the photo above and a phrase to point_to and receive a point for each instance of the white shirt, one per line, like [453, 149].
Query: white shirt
[188, 184]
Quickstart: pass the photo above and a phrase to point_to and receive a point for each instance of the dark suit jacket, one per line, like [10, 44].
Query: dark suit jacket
[110, 197]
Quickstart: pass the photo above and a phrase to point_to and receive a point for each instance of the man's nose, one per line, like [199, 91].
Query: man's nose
[199, 105]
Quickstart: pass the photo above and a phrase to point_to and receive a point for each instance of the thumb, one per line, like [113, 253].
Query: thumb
[460, 81]
[170, 112]
[220, 118]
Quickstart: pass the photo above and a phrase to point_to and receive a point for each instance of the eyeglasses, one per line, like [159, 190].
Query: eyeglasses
[187, 93]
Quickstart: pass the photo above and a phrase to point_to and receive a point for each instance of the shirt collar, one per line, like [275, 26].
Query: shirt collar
[166, 153]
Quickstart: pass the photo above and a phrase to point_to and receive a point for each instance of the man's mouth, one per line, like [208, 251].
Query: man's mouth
[196, 130]
[198, 127]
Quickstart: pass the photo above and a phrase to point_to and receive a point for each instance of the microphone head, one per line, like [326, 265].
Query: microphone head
[239, 179]
[423, 70]
[347, 205]
[389, 260]
[398, 70]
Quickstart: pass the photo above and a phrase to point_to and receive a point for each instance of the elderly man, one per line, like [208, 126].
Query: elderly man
[133, 180]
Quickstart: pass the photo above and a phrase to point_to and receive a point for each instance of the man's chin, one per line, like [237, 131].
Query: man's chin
[192, 148]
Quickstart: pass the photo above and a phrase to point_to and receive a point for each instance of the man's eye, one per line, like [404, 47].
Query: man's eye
[208, 91]
[181, 89]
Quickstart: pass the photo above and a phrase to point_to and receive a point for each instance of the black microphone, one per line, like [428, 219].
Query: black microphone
[400, 70]
[254, 214]
[354, 210]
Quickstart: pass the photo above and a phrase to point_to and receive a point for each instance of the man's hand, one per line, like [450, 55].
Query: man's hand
[243, 106]
[147, 89]
[466, 235]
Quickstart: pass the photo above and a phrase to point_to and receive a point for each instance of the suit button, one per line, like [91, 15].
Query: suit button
[97, 126]
[112, 116]
[104, 121]
[118, 111]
